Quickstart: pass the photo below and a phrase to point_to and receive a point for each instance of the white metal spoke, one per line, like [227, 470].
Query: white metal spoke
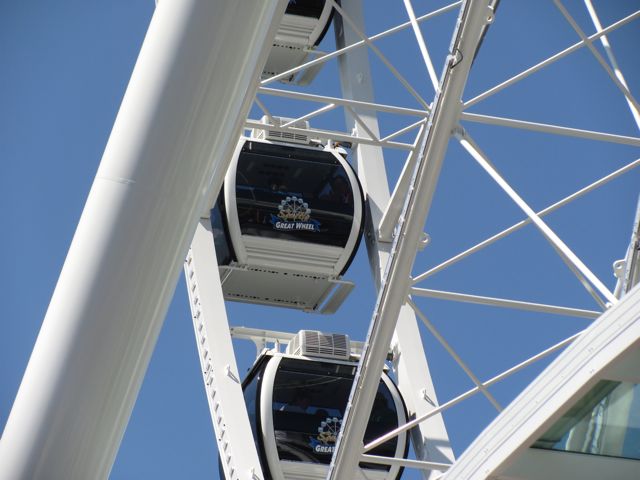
[422, 45]
[612, 59]
[505, 303]
[381, 56]
[416, 421]
[583, 279]
[264, 109]
[309, 115]
[341, 51]
[469, 393]
[362, 124]
[394, 207]
[549, 61]
[553, 129]
[402, 462]
[454, 355]
[344, 102]
[404, 130]
[485, 243]
[623, 88]
[469, 145]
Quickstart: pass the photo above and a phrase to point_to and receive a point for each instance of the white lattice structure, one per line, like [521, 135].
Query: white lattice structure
[469, 134]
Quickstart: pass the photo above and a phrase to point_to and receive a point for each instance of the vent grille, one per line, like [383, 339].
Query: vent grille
[317, 344]
[287, 302]
[290, 137]
[293, 274]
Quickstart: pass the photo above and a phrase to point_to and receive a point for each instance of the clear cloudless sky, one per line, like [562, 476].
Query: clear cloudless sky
[64, 67]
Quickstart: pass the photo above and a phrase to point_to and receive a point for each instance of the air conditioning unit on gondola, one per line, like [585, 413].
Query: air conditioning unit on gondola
[311, 343]
[287, 222]
[302, 28]
[276, 135]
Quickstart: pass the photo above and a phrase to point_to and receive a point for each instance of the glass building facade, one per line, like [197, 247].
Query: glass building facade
[606, 421]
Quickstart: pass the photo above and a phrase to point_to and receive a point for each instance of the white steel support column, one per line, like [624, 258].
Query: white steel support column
[430, 439]
[236, 445]
[474, 15]
[180, 118]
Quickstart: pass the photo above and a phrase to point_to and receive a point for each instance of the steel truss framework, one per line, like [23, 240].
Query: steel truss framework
[433, 129]
[396, 228]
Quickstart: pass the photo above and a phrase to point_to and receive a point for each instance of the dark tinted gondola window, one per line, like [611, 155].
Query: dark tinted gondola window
[305, 8]
[251, 399]
[251, 391]
[221, 241]
[293, 194]
[308, 407]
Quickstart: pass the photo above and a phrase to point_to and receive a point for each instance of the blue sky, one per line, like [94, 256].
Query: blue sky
[65, 68]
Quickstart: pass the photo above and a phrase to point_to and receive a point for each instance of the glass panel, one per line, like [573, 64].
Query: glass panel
[251, 391]
[251, 399]
[309, 399]
[305, 8]
[221, 240]
[293, 194]
[606, 421]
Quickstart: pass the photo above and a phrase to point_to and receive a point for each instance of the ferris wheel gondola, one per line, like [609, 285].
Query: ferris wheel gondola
[301, 29]
[296, 402]
[287, 224]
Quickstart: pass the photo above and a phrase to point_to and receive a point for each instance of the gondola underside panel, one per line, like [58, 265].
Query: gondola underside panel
[270, 286]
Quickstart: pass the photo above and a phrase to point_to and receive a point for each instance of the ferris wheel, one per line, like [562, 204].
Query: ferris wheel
[419, 215]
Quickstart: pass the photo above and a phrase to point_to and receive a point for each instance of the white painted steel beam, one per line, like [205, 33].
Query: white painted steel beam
[357, 30]
[309, 115]
[572, 260]
[541, 213]
[177, 125]
[259, 335]
[551, 129]
[631, 275]
[357, 104]
[604, 40]
[540, 65]
[391, 215]
[264, 109]
[454, 354]
[236, 445]
[362, 125]
[329, 134]
[430, 440]
[443, 117]
[614, 78]
[505, 303]
[404, 130]
[426, 58]
[402, 462]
